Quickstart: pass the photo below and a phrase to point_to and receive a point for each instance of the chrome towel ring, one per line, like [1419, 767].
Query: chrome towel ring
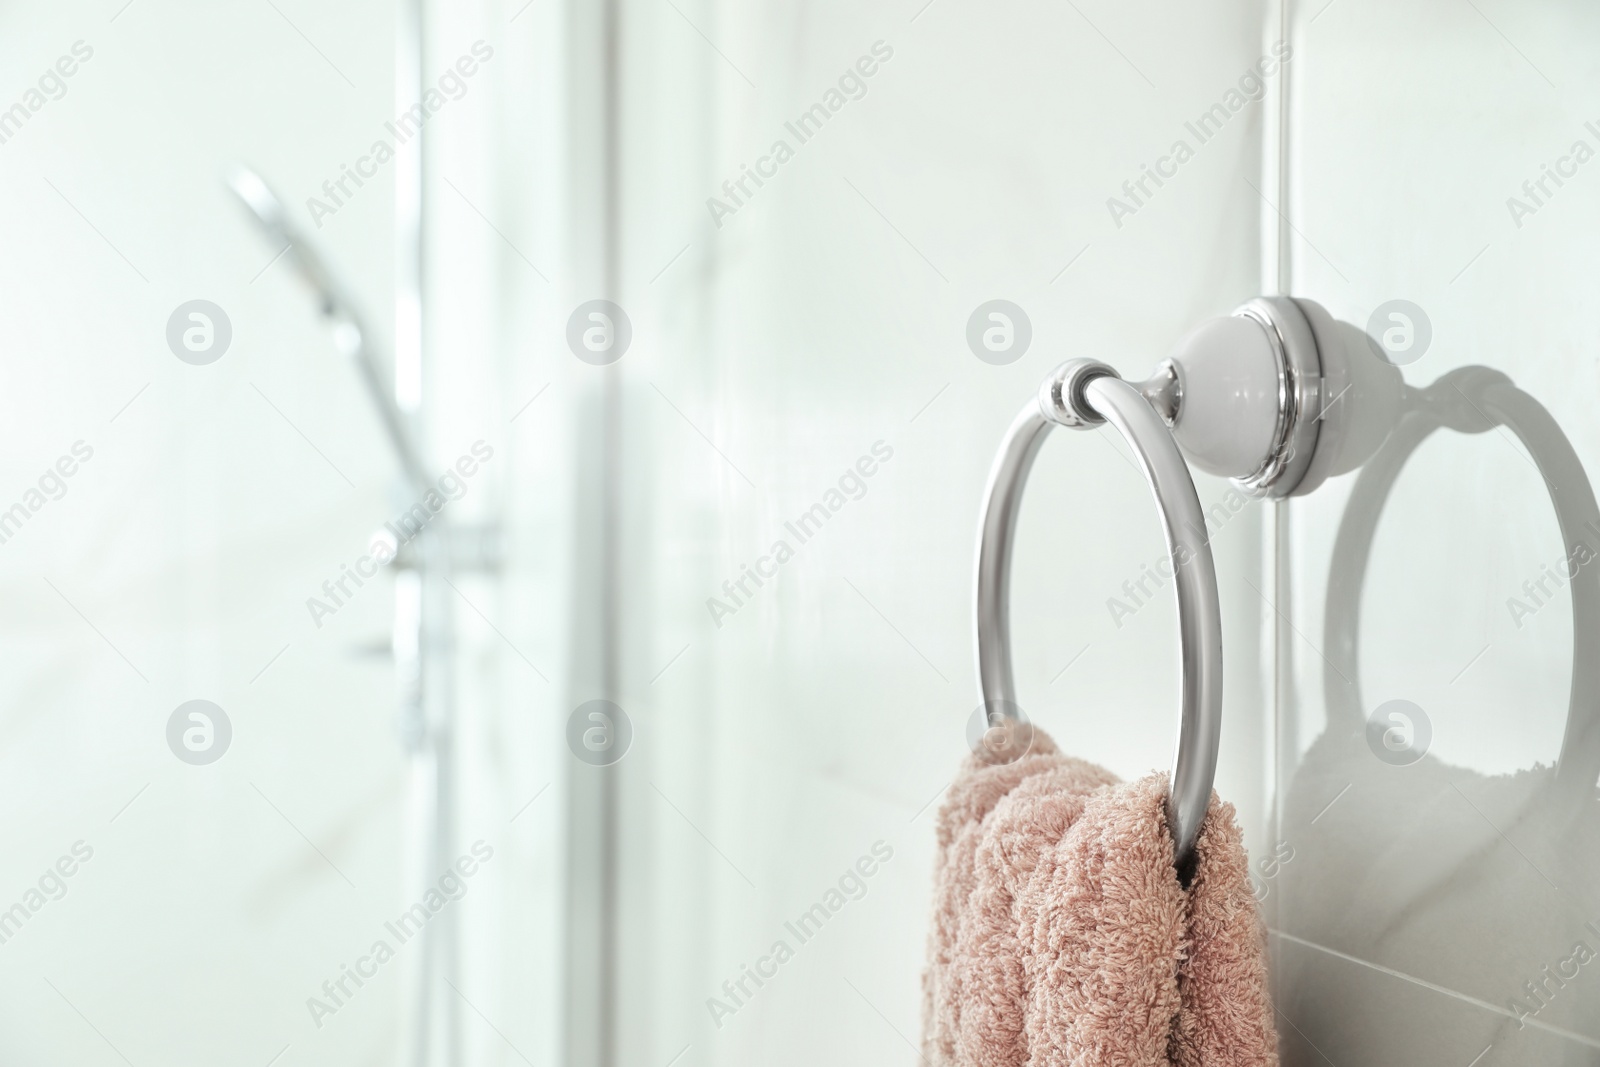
[1279, 396]
[1082, 394]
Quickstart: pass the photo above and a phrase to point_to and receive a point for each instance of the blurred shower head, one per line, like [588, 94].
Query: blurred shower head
[350, 333]
[270, 214]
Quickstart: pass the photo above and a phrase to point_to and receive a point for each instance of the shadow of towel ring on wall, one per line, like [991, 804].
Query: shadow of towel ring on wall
[1459, 877]
[1083, 394]
[1475, 400]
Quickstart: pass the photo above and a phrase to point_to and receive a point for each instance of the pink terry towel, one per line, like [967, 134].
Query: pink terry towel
[1062, 938]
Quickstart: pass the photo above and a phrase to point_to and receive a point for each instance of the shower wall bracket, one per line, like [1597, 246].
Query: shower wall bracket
[471, 548]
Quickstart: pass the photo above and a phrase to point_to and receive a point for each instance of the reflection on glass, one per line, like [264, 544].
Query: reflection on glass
[1432, 913]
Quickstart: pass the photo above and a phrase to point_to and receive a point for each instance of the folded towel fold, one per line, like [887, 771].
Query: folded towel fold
[1061, 936]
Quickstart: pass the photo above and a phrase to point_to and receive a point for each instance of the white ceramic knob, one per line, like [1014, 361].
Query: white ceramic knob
[1228, 389]
[1280, 396]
